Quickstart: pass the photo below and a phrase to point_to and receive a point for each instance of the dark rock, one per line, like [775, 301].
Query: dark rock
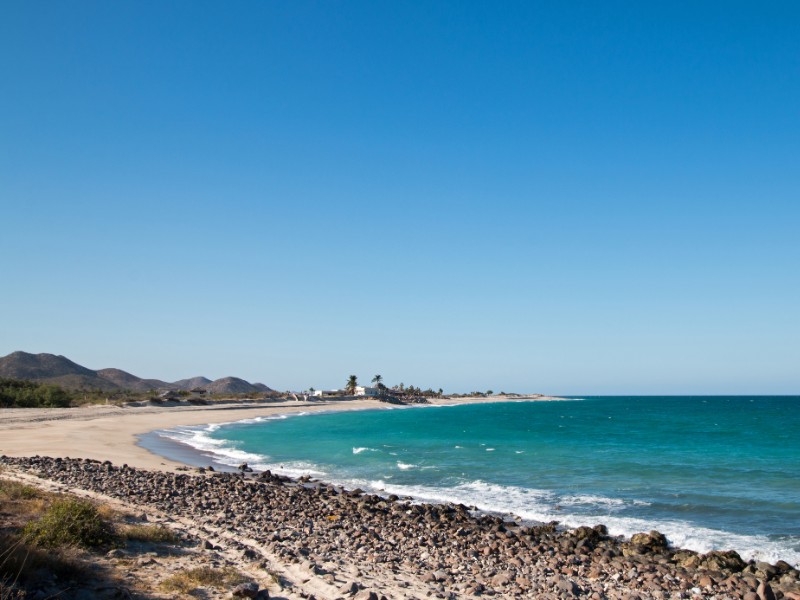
[250, 554]
[245, 590]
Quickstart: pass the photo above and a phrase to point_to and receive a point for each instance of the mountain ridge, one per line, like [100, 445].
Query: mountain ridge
[61, 371]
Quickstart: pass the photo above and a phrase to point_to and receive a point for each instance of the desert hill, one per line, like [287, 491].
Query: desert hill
[59, 370]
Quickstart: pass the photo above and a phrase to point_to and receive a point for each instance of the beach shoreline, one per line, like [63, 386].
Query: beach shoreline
[111, 432]
[106, 456]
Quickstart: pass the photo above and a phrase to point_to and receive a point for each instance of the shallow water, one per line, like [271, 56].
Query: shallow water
[709, 472]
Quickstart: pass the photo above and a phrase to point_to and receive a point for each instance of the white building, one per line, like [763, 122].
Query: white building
[367, 391]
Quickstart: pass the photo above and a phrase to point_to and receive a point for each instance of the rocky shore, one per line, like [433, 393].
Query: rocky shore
[351, 544]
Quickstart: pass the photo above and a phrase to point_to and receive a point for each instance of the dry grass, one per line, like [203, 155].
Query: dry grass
[156, 534]
[188, 581]
[22, 563]
[22, 500]
[49, 541]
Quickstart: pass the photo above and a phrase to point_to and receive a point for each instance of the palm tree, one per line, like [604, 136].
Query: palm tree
[377, 380]
[352, 383]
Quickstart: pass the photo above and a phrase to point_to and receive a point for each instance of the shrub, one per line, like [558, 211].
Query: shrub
[190, 580]
[29, 394]
[157, 534]
[70, 522]
[14, 490]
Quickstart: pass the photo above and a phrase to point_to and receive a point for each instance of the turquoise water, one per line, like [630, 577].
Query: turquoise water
[709, 472]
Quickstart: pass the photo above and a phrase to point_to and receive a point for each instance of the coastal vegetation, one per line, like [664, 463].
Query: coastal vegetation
[57, 545]
[21, 393]
[188, 581]
[29, 394]
[351, 385]
[70, 522]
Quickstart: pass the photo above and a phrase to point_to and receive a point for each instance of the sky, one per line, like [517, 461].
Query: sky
[559, 197]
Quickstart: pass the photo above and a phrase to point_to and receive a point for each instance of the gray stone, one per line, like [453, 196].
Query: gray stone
[245, 590]
[349, 588]
[568, 586]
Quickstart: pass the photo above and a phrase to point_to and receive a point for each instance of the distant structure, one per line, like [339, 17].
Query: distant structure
[325, 393]
[367, 391]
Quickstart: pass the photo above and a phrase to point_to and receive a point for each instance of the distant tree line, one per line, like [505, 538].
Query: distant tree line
[16, 393]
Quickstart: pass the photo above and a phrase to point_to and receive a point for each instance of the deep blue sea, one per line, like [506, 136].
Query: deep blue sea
[709, 472]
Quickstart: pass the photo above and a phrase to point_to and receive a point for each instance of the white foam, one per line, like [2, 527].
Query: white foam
[364, 449]
[588, 500]
[405, 466]
[292, 469]
[220, 450]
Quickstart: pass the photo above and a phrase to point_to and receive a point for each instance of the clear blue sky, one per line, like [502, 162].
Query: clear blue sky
[566, 197]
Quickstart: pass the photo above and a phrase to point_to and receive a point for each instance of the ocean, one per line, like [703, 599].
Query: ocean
[708, 472]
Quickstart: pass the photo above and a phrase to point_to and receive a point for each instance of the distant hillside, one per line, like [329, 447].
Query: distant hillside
[59, 370]
[126, 381]
[193, 383]
[21, 365]
[234, 385]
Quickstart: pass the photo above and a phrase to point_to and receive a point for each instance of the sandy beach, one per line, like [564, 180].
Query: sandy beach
[109, 432]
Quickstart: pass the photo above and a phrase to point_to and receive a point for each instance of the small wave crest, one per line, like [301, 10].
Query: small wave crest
[221, 450]
[361, 449]
[225, 452]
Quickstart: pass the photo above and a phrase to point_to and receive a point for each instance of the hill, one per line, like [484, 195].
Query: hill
[234, 385]
[126, 381]
[59, 370]
[193, 383]
[22, 365]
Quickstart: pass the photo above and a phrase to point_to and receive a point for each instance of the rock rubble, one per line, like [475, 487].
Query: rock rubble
[433, 550]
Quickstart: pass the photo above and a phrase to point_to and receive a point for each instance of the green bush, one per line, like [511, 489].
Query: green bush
[70, 522]
[29, 394]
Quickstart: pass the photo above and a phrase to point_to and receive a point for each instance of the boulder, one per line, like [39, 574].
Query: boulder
[245, 590]
[654, 541]
[723, 561]
[765, 592]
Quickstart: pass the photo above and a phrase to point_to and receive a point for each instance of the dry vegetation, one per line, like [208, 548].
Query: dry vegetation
[60, 546]
[188, 581]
